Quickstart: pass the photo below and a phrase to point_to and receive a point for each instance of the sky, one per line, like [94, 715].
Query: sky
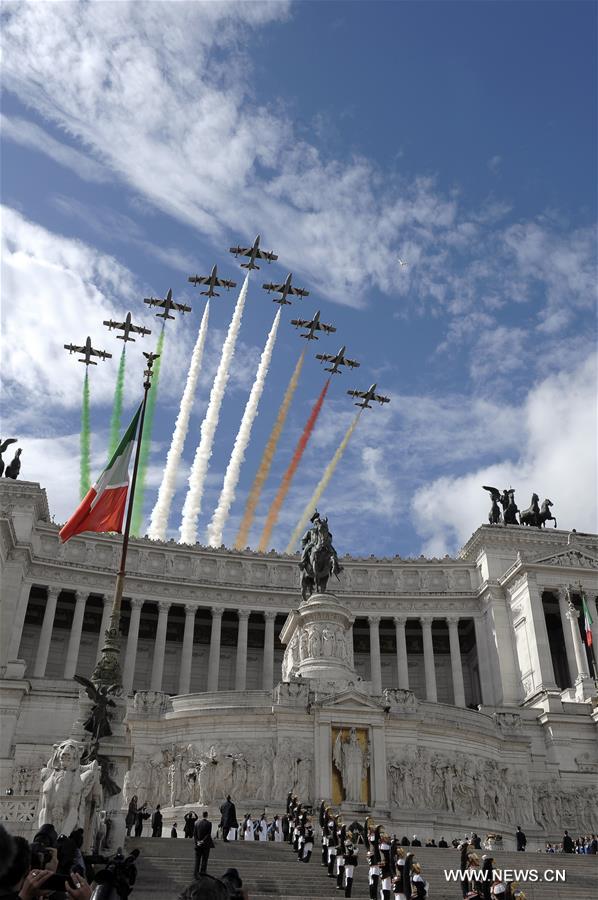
[140, 141]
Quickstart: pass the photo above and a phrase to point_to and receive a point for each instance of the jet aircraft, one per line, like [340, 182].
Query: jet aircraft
[368, 395]
[128, 327]
[88, 351]
[312, 325]
[167, 305]
[253, 253]
[284, 290]
[212, 281]
[338, 360]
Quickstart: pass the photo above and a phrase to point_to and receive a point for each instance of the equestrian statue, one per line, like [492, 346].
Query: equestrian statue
[319, 559]
[534, 515]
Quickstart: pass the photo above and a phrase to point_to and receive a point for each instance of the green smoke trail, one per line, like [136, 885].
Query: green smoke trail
[117, 406]
[146, 440]
[85, 440]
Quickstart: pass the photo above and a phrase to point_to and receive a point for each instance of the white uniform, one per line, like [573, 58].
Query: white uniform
[248, 834]
[263, 829]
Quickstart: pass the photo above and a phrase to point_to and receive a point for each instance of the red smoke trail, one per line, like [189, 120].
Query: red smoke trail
[285, 484]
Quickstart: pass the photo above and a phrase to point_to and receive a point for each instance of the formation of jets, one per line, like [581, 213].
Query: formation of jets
[312, 325]
[254, 252]
[127, 327]
[88, 351]
[368, 395]
[285, 289]
[339, 359]
[212, 281]
[167, 305]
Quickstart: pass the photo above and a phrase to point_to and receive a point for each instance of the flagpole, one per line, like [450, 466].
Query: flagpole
[107, 671]
[593, 650]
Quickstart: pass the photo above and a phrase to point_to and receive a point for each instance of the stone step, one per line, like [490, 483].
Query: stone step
[272, 870]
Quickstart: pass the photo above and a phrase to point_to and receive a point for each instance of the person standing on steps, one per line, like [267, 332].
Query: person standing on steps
[202, 835]
[520, 838]
[228, 811]
[157, 822]
[190, 820]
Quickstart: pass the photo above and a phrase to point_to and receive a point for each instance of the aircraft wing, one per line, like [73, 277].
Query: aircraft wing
[298, 291]
[266, 254]
[224, 282]
[328, 328]
[381, 399]
[180, 307]
[74, 348]
[274, 287]
[353, 364]
[139, 329]
[112, 324]
[103, 354]
[301, 323]
[358, 394]
[325, 357]
[153, 301]
[200, 279]
[240, 251]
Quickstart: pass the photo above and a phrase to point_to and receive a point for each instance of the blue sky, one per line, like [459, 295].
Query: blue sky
[140, 141]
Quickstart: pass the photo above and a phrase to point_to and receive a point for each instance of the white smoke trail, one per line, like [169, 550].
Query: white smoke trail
[231, 478]
[197, 478]
[161, 511]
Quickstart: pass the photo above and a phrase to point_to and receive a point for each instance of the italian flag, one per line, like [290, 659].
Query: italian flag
[103, 507]
[587, 620]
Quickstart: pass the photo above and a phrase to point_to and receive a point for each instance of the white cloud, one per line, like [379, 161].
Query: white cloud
[557, 459]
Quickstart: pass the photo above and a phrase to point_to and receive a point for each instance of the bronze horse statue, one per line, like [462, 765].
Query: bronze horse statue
[531, 515]
[546, 515]
[321, 563]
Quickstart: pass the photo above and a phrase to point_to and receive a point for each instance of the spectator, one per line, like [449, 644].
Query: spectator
[157, 822]
[594, 844]
[405, 842]
[568, 845]
[19, 881]
[173, 831]
[476, 841]
[140, 817]
[203, 844]
[520, 838]
[228, 811]
[442, 842]
[416, 841]
[131, 815]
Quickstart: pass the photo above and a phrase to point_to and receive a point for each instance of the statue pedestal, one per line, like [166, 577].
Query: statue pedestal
[319, 642]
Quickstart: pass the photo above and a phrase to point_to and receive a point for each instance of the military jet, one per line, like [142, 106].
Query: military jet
[284, 290]
[128, 327]
[339, 360]
[167, 305]
[213, 281]
[88, 351]
[253, 253]
[312, 325]
[368, 395]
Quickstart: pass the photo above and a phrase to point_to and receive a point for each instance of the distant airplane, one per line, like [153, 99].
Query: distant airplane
[312, 325]
[339, 360]
[368, 395]
[88, 351]
[253, 253]
[402, 262]
[284, 290]
[167, 305]
[213, 281]
[128, 327]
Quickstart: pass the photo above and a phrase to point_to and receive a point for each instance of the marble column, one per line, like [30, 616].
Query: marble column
[241, 663]
[402, 662]
[431, 692]
[581, 660]
[567, 636]
[375, 666]
[214, 657]
[43, 648]
[187, 654]
[484, 670]
[72, 653]
[107, 609]
[132, 640]
[544, 679]
[160, 646]
[19, 621]
[591, 601]
[456, 664]
[268, 663]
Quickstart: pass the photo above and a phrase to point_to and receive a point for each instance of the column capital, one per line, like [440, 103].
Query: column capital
[164, 605]
[243, 613]
[374, 620]
[400, 621]
[106, 600]
[453, 621]
[217, 612]
[80, 596]
[190, 609]
[269, 615]
[136, 602]
[426, 621]
[53, 591]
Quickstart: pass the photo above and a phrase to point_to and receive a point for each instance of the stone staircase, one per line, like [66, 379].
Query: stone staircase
[271, 870]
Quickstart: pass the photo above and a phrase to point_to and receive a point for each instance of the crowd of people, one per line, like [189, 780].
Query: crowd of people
[584, 844]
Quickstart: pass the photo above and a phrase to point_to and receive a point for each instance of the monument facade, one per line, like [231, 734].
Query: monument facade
[441, 695]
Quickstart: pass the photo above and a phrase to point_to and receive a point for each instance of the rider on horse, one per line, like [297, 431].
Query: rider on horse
[317, 543]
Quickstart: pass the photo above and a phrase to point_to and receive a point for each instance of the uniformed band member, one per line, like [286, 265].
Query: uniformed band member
[339, 862]
[401, 883]
[373, 871]
[351, 850]
[474, 886]
[488, 870]
[385, 865]
[419, 884]
[308, 842]
[332, 842]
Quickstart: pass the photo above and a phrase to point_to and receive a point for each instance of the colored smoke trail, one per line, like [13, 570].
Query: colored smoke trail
[322, 485]
[85, 440]
[146, 441]
[287, 478]
[161, 511]
[231, 478]
[199, 470]
[267, 458]
[117, 406]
